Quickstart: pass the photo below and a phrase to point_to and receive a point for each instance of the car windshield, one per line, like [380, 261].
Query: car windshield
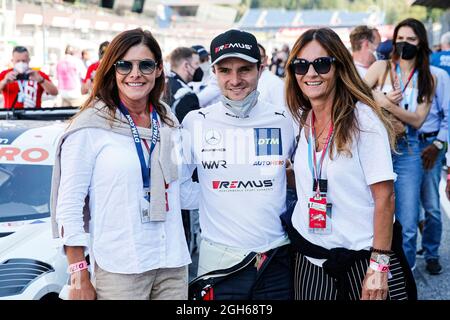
[24, 191]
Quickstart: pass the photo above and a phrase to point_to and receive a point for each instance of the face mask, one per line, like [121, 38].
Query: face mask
[406, 50]
[21, 67]
[198, 75]
[243, 107]
[205, 66]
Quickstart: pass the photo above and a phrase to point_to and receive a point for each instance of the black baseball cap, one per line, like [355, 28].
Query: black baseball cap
[235, 44]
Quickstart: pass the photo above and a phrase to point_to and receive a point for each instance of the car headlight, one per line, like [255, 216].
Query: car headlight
[17, 274]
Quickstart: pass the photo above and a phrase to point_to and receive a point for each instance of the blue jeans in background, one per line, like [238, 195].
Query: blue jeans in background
[414, 188]
[409, 170]
[432, 231]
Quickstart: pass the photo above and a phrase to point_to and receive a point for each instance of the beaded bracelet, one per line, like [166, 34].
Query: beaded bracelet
[372, 249]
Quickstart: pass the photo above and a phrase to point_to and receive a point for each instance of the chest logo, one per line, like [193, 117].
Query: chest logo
[268, 141]
[213, 137]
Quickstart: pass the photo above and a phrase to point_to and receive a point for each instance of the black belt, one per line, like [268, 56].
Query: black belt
[423, 136]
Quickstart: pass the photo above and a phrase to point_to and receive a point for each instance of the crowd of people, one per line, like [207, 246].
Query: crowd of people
[308, 177]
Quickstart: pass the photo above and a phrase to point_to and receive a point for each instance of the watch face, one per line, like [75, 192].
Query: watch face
[383, 259]
[438, 144]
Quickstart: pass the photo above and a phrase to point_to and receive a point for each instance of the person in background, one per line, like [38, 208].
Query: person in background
[433, 139]
[405, 87]
[270, 87]
[384, 50]
[70, 72]
[86, 58]
[23, 87]
[364, 42]
[88, 80]
[342, 228]
[441, 59]
[208, 91]
[185, 67]
[115, 189]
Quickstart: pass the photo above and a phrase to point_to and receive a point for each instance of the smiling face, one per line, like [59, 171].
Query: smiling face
[134, 88]
[237, 78]
[318, 88]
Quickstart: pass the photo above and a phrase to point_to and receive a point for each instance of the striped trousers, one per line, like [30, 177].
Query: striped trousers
[312, 283]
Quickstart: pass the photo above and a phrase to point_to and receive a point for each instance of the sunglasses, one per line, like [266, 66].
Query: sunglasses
[322, 65]
[124, 67]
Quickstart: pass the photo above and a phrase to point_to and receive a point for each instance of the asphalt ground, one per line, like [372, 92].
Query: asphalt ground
[436, 287]
[429, 287]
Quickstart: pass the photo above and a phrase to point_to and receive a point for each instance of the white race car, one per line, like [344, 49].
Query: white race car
[32, 265]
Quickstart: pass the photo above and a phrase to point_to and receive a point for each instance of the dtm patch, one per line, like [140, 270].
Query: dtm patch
[268, 141]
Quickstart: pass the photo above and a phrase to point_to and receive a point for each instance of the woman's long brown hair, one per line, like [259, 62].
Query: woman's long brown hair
[425, 82]
[105, 87]
[350, 89]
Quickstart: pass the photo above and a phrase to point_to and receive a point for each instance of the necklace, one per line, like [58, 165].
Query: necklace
[323, 129]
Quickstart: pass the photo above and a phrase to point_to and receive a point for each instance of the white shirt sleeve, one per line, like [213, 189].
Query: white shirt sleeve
[77, 164]
[189, 190]
[373, 148]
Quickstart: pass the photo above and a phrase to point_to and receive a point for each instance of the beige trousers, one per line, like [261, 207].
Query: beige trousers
[159, 284]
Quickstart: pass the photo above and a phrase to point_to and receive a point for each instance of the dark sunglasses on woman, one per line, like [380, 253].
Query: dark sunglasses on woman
[124, 67]
[322, 65]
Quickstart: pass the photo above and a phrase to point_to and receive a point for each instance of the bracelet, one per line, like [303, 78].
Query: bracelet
[78, 266]
[372, 249]
[378, 267]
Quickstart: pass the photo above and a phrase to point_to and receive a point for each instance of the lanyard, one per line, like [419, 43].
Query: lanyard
[146, 171]
[315, 167]
[413, 72]
[413, 76]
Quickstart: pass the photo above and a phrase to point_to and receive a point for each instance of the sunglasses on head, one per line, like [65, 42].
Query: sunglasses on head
[322, 65]
[124, 67]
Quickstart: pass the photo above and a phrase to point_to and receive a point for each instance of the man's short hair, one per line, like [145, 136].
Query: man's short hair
[359, 34]
[445, 38]
[180, 55]
[20, 49]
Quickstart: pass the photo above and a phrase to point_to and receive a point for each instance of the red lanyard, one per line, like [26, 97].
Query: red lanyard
[409, 79]
[317, 168]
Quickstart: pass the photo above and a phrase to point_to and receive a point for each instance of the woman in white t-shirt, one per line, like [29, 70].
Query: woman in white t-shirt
[342, 224]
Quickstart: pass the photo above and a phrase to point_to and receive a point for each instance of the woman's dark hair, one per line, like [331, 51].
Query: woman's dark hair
[105, 87]
[425, 82]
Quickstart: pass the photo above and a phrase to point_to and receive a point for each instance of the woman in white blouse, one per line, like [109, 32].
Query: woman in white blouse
[116, 190]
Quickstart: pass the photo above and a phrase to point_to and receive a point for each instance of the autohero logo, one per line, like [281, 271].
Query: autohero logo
[214, 164]
[233, 45]
[269, 163]
[268, 141]
[242, 186]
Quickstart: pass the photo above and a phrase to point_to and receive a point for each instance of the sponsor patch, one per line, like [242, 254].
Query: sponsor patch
[242, 185]
[268, 141]
[214, 164]
[269, 163]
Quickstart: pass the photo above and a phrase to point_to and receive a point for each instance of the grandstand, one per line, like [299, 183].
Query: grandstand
[271, 20]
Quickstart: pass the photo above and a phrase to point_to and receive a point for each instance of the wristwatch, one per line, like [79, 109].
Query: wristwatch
[438, 144]
[382, 259]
